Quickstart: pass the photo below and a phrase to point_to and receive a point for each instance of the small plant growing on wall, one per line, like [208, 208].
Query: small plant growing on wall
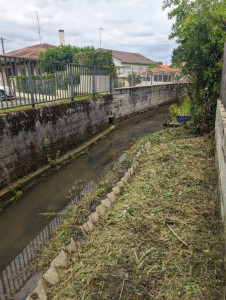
[115, 121]
[50, 160]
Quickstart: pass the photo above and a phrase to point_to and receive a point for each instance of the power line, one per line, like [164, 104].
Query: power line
[8, 40]
[13, 42]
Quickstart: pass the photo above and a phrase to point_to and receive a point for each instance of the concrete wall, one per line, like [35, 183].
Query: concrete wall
[220, 134]
[66, 124]
[129, 101]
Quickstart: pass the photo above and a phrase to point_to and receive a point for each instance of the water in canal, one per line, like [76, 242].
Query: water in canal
[21, 221]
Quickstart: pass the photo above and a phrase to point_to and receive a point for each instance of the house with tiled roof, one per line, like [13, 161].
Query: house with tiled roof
[31, 52]
[160, 74]
[13, 66]
[128, 62]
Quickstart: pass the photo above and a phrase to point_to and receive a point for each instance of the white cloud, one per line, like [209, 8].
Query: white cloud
[129, 25]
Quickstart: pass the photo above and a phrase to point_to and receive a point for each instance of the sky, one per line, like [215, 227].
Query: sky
[139, 26]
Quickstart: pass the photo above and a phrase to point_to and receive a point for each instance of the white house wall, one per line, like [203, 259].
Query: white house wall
[127, 69]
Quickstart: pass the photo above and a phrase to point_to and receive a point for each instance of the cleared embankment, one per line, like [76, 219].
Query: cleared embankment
[163, 237]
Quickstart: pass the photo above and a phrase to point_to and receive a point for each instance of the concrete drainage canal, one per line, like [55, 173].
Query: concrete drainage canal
[25, 229]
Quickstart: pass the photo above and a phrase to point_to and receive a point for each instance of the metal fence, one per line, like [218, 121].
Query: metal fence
[22, 266]
[29, 82]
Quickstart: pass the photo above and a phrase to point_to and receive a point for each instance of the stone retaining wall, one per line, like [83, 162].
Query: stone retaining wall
[64, 125]
[220, 135]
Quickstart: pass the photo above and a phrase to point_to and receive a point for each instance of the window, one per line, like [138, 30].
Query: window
[165, 78]
[169, 78]
[155, 78]
[147, 78]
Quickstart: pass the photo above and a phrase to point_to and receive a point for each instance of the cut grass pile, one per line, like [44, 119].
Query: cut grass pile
[163, 237]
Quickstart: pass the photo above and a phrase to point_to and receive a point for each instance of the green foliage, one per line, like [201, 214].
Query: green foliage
[63, 79]
[181, 110]
[33, 77]
[115, 121]
[50, 160]
[199, 29]
[152, 67]
[99, 58]
[119, 82]
[88, 56]
[203, 118]
[22, 83]
[134, 79]
[158, 63]
[63, 53]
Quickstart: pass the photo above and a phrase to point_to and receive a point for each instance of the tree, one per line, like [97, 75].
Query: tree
[134, 79]
[158, 63]
[199, 30]
[63, 53]
[81, 55]
[101, 58]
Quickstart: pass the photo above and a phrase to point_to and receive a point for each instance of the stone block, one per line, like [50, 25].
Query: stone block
[94, 217]
[72, 247]
[60, 261]
[51, 276]
[40, 293]
[116, 190]
[107, 203]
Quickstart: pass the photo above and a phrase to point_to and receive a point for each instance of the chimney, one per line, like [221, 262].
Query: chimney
[61, 37]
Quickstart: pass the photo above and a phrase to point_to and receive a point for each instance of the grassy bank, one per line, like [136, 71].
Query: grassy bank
[163, 238]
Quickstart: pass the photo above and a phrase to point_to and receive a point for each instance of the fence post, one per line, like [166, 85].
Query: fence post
[71, 76]
[94, 90]
[110, 84]
[30, 84]
[223, 79]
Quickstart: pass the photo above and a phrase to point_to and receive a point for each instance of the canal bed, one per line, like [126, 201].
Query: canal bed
[21, 221]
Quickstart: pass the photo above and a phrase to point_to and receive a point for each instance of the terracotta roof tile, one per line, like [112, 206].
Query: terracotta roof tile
[31, 52]
[160, 69]
[165, 69]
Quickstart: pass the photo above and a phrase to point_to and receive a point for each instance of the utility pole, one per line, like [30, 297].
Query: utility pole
[101, 29]
[166, 51]
[35, 11]
[3, 49]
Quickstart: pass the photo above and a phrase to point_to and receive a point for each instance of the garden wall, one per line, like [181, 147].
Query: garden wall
[220, 133]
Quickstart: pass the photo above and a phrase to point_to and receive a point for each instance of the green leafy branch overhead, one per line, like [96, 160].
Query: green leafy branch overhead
[199, 30]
